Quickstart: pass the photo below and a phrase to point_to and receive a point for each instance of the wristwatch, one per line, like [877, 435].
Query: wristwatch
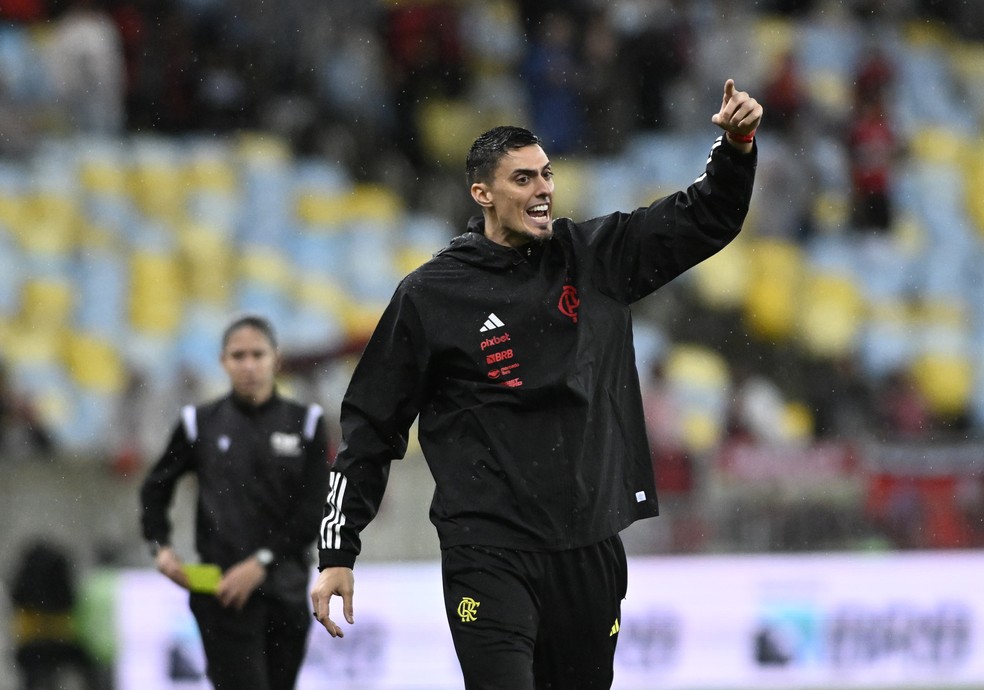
[264, 556]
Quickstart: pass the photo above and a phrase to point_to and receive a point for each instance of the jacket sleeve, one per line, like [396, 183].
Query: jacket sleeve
[299, 532]
[636, 253]
[158, 487]
[378, 409]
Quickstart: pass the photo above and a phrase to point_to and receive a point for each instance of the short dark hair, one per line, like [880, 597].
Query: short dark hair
[256, 321]
[489, 148]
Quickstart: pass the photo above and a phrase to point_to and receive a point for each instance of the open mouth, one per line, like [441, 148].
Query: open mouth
[539, 213]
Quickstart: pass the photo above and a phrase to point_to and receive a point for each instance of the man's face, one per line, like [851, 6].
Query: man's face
[251, 363]
[518, 202]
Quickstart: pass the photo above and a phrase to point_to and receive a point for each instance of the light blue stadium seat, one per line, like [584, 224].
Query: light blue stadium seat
[371, 266]
[12, 274]
[101, 279]
[199, 341]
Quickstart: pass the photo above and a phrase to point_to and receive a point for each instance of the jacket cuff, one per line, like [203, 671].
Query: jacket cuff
[335, 559]
[749, 159]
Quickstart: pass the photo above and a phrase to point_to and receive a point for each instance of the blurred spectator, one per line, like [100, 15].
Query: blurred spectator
[87, 68]
[164, 66]
[783, 202]
[48, 652]
[23, 10]
[426, 57]
[22, 432]
[842, 401]
[784, 94]
[903, 413]
[872, 148]
[552, 76]
[660, 55]
[758, 408]
[672, 463]
[605, 85]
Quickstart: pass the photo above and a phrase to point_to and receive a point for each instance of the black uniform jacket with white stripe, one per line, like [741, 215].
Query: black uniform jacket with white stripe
[521, 368]
[262, 480]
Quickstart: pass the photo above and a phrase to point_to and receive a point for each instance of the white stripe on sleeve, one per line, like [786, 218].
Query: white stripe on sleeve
[334, 519]
[314, 413]
[190, 420]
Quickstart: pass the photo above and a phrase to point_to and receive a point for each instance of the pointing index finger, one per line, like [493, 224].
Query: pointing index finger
[729, 89]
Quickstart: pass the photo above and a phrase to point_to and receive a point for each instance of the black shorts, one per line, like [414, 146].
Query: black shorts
[523, 620]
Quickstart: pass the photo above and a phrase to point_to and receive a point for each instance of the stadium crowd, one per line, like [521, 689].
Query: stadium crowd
[382, 89]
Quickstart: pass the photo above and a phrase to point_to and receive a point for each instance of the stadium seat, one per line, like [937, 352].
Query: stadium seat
[156, 179]
[699, 379]
[722, 281]
[772, 297]
[447, 128]
[47, 303]
[946, 381]
[943, 365]
[12, 273]
[156, 292]
[364, 202]
[829, 316]
[208, 258]
[94, 363]
[888, 337]
[101, 282]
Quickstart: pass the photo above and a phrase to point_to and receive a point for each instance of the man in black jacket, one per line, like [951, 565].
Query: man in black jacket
[513, 345]
[262, 464]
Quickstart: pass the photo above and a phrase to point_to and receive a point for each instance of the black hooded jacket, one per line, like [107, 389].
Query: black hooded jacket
[521, 368]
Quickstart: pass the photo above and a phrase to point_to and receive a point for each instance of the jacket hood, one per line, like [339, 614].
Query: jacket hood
[473, 247]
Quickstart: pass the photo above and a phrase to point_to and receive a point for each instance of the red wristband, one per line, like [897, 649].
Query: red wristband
[743, 138]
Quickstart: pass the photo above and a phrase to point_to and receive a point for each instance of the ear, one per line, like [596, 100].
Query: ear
[481, 194]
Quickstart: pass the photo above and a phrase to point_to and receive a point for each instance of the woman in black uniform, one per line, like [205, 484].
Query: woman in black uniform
[261, 462]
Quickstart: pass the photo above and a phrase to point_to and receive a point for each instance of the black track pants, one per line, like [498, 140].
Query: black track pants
[524, 620]
[260, 647]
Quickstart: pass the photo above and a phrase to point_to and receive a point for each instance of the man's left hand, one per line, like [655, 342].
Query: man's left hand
[740, 114]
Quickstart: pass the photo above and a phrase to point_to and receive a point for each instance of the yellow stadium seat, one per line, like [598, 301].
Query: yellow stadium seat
[973, 172]
[798, 423]
[156, 293]
[94, 363]
[447, 129]
[722, 281]
[24, 346]
[46, 304]
[262, 148]
[945, 380]
[101, 176]
[773, 292]
[939, 145]
[409, 259]
[207, 257]
[359, 319]
[699, 380]
[571, 188]
[830, 91]
[831, 209]
[265, 266]
[159, 190]
[320, 293]
[364, 202]
[211, 172]
[830, 315]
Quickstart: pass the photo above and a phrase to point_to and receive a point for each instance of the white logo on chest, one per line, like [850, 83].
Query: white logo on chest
[285, 444]
[224, 443]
